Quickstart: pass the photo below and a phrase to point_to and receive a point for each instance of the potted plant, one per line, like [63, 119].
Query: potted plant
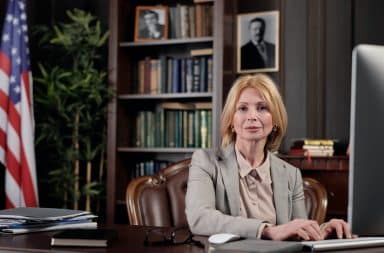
[71, 97]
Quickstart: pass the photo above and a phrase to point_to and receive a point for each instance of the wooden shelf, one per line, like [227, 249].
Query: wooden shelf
[166, 42]
[156, 150]
[318, 163]
[165, 96]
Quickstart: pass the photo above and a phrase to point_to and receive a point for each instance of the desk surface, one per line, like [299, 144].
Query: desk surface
[130, 239]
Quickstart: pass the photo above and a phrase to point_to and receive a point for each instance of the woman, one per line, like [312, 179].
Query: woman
[242, 187]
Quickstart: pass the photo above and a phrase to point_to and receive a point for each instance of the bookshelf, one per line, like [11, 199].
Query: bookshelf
[143, 95]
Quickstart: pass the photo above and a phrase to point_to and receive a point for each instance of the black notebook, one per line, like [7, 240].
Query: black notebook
[84, 238]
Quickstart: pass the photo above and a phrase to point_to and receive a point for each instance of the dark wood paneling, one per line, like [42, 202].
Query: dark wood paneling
[294, 25]
[337, 77]
[368, 20]
[316, 67]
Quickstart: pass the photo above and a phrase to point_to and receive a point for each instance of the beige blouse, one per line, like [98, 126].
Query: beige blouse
[256, 194]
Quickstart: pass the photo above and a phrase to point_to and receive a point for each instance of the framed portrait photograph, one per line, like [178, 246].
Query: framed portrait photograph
[258, 42]
[151, 23]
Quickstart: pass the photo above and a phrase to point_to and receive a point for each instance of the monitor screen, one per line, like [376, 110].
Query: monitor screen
[366, 175]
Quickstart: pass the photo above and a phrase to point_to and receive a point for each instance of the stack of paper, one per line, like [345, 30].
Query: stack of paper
[28, 219]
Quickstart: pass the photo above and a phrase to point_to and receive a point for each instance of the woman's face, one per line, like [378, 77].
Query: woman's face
[252, 120]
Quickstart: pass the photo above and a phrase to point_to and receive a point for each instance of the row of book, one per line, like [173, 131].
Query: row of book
[148, 168]
[188, 21]
[174, 75]
[175, 125]
[313, 147]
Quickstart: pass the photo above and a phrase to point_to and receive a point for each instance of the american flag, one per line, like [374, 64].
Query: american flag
[16, 111]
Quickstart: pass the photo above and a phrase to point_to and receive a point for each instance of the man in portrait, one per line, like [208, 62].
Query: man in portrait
[152, 29]
[257, 53]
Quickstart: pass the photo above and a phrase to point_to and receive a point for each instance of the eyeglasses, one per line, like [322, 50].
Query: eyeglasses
[166, 237]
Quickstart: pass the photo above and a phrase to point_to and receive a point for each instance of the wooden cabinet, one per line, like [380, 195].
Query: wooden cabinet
[332, 172]
[134, 109]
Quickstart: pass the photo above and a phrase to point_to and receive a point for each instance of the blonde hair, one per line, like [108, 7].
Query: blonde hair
[268, 90]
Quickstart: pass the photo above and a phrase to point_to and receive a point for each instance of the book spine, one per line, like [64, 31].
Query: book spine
[209, 128]
[163, 74]
[189, 74]
[147, 75]
[203, 74]
[196, 75]
[204, 128]
[192, 25]
[183, 83]
[169, 75]
[175, 75]
[191, 129]
[209, 74]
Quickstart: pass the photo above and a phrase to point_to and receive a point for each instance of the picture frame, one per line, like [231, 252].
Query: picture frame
[258, 42]
[151, 23]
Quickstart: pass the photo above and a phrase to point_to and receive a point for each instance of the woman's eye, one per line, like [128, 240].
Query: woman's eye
[262, 108]
[242, 108]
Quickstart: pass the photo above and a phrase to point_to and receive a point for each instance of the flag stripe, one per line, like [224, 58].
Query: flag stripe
[16, 110]
[16, 198]
[5, 64]
[27, 184]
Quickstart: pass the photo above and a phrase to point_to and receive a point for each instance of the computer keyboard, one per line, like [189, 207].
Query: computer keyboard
[337, 244]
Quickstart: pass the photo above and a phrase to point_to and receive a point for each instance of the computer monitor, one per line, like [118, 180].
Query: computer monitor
[366, 162]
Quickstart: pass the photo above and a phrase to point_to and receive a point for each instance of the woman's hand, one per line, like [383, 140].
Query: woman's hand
[298, 229]
[338, 227]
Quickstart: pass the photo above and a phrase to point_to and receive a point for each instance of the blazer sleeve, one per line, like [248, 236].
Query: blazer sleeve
[298, 198]
[202, 215]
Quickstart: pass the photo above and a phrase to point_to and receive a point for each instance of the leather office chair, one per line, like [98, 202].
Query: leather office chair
[159, 200]
[316, 199]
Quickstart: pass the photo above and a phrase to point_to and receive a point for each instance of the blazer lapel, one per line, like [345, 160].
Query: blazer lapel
[280, 190]
[230, 172]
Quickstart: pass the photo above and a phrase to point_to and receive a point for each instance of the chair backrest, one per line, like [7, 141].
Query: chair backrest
[316, 199]
[159, 200]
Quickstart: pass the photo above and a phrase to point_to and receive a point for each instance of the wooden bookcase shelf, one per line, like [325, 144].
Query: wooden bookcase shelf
[167, 96]
[156, 150]
[170, 42]
[135, 108]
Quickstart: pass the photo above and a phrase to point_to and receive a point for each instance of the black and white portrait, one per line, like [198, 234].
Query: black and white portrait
[258, 42]
[151, 23]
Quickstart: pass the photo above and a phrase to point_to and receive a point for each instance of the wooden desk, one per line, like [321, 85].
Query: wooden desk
[130, 240]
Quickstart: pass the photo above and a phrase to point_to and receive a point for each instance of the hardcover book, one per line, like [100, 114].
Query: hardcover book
[84, 238]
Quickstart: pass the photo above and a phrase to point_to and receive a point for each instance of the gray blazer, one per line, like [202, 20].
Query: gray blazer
[213, 195]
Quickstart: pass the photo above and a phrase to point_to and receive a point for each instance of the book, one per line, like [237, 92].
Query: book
[84, 238]
[201, 51]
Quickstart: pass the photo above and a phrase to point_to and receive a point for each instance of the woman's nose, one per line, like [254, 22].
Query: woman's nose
[252, 115]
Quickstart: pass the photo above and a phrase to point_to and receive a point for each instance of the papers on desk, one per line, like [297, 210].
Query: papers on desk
[29, 219]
